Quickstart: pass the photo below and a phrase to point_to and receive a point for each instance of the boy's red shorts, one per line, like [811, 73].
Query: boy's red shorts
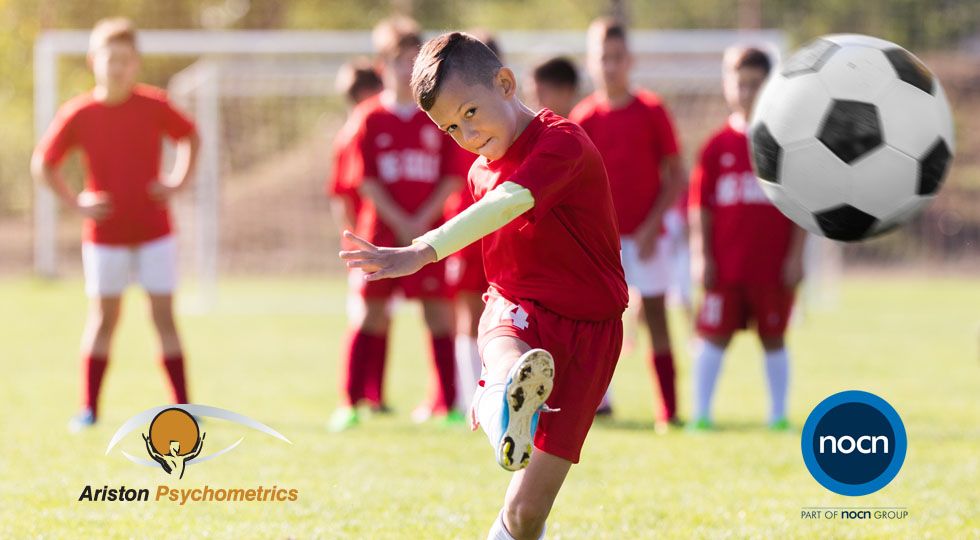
[729, 308]
[585, 354]
[464, 270]
[429, 282]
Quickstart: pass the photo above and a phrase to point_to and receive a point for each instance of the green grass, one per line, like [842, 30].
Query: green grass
[270, 352]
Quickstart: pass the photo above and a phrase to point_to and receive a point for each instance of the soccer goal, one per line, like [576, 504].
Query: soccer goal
[266, 108]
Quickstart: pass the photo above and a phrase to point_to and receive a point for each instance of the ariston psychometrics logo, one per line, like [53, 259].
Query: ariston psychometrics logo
[174, 439]
[854, 443]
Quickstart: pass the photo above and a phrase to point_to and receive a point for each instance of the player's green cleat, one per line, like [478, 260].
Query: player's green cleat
[780, 424]
[528, 386]
[343, 419]
[701, 425]
[454, 418]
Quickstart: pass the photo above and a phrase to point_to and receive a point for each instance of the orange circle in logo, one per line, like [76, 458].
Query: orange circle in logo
[174, 425]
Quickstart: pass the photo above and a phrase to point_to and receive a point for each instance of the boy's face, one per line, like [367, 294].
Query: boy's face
[480, 118]
[399, 66]
[609, 62]
[558, 98]
[741, 87]
[115, 65]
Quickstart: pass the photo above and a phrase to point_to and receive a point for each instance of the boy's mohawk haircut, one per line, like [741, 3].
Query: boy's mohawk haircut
[112, 29]
[453, 53]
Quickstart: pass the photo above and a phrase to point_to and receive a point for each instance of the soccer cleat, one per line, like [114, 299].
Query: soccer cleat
[343, 419]
[454, 418]
[528, 386]
[701, 425]
[81, 421]
[779, 424]
[662, 427]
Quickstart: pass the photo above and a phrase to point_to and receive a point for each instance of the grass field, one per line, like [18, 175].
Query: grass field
[270, 350]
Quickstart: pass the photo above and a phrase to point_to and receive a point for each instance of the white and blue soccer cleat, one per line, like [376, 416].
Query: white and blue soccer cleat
[528, 386]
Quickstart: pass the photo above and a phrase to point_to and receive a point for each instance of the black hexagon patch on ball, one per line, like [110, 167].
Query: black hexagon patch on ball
[810, 58]
[910, 69]
[766, 154]
[851, 129]
[932, 168]
[845, 223]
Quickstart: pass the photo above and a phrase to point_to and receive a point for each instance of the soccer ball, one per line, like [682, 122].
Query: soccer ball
[851, 137]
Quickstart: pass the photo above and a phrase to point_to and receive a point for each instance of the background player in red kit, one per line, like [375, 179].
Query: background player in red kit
[753, 255]
[120, 126]
[552, 329]
[635, 135]
[358, 80]
[407, 172]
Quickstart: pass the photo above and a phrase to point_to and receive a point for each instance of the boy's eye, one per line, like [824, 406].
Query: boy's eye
[451, 128]
[470, 112]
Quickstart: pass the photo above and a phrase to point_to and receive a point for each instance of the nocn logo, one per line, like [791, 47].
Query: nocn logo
[854, 443]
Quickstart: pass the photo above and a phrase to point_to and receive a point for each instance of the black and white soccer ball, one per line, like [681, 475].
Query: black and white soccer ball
[851, 136]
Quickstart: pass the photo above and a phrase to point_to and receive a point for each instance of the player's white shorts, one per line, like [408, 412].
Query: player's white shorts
[650, 276]
[110, 269]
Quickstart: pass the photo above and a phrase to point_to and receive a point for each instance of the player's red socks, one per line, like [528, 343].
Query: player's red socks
[663, 366]
[365, 367]
[444, 358]
[93, 369]
[174, 364]
[374, 375]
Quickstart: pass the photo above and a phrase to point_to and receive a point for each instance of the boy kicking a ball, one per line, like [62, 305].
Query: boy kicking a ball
[551, 332]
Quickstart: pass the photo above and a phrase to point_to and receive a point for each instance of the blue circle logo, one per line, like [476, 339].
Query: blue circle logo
[854, 443]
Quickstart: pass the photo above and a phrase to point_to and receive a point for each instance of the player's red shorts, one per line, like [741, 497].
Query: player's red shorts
[464, 270]
[585, 354]
[729, 308]
[429, 282]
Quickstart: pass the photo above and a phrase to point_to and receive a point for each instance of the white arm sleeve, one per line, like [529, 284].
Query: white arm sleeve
[497, 208]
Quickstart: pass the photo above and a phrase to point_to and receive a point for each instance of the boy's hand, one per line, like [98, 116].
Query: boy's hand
[162, 192]
[94, 204]
[381, 262]
[793, 272]
[646, 237]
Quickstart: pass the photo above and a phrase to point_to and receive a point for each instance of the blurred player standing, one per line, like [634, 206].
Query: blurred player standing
[120, 126]
[634, 133]
[753, 255]
[406, 172]
[357, 80]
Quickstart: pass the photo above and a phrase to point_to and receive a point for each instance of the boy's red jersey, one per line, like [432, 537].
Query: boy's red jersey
[633, 141]
[562, 254]
[122, 144]
[408, 156]
[750, 236]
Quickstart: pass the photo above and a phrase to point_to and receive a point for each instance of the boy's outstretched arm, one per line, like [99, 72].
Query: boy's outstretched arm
[497, 208]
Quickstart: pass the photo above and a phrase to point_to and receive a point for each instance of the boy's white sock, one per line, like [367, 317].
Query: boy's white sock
[468, 368]
[777, 372]
[706, 368]
[489, 408]
[499, 531]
